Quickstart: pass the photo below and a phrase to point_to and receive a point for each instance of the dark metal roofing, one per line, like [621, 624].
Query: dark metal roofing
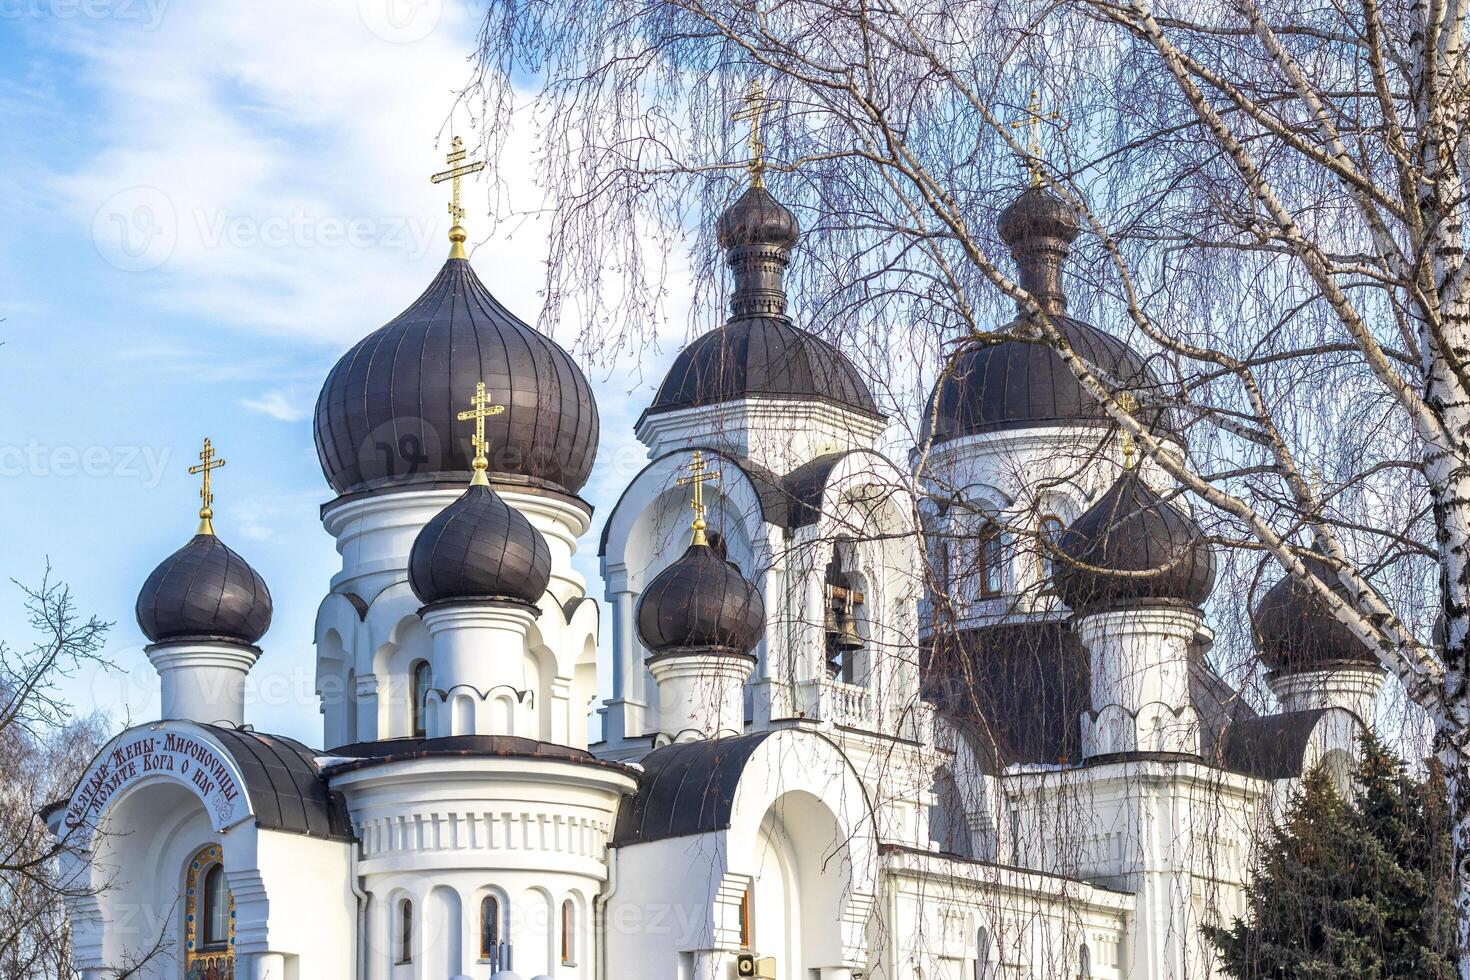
[1129, 530]
[387, 414]
[764, 356]
[701, 601]
[204, 591]
[362, 755]
[1270, 746]
[757, 218]
[991, 385]
[1021, 690]
[479, 547]
[1295, 631]
[284, 784]
[686, 788]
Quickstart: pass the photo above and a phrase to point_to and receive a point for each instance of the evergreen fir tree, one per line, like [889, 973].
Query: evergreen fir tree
[1351, 890]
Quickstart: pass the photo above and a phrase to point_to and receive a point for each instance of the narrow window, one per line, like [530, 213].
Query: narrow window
[1084, 963]
[568, 933]
[420, 696]
[489, 926]
[992, 562]
[747, 920]
[216, 909]
[405, 932]
[1049, 531]
[982, 955]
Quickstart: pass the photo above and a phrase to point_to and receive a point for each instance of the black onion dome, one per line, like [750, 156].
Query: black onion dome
[759, 352]
[1014, 384]
[1037, 213]
[757, 218]
[479, 547]
[762, 357]
[204, 591]
[701, 601]
[1132, 529]
[1295, 631]
[386, 415]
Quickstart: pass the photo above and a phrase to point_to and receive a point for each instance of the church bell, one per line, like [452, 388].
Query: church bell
[840, 616]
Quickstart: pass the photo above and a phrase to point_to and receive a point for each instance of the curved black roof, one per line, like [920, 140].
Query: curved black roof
[1270, 746]
[1131, 530]
[686, 788]
[204, 591]
[387, 414]
[1010, 384]
[284, 783]
[767, 357]
[1296, 631]
[363, 755]
[479, 547]
[701, 601]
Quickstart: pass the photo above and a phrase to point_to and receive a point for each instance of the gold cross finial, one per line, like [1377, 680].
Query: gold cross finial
[1033, 119]
[756, 106]
[481, 411]
[1128, 403]
[207, 464]
[699, 475]
[458, 168]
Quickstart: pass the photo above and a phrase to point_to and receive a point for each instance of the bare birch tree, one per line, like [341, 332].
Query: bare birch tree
[1273, 203]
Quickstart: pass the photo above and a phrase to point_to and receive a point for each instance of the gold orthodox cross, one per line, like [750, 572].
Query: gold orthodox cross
[481, 411]
[699, 475]
[1128, 403]
[458, 168]
[1032, 121]
[207, 464]
[756, 105]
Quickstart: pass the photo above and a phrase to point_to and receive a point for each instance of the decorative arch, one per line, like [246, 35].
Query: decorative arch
[209, 918]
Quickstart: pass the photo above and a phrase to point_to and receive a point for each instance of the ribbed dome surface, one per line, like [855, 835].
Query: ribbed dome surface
[1037, 213]
[757, 218]
[386, 415]
[701, 601]
[764, 357]
[1132, 529]
[1295, 631]
[204, 591]
[479, 547]
[1014, 384]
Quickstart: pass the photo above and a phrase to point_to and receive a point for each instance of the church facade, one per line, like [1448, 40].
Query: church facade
[857, 728]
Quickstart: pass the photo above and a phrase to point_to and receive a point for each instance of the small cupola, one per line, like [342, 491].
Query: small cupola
[1295, 630]
[479, 547]
[1132, 547]
[204, 591]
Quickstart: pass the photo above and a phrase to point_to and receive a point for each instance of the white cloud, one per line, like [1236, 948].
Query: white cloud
[281, 404]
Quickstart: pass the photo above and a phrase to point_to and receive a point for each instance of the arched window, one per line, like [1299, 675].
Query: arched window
[421, 682]
[1049, 531]
[982, 955]
[489, 926]
[1084, 963]
[403, 952]
[209, 916]
[568, 933]
[992, 577]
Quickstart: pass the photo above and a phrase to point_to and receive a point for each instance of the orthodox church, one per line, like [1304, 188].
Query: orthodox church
[857, 727]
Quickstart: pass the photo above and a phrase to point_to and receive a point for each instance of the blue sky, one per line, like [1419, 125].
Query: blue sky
[201, 206]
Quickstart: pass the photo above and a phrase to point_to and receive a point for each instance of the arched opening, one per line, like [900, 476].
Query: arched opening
[844, 614]
[209, 917]
[568, 933]
[419, 691]
[983, 969]
[403, 933]
[445, 932]
[490, 928]
[1084, 963]
[1049, 528]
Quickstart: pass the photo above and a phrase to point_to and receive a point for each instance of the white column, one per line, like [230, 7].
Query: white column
[701, 692]
[478, 661]
[203, 681]
[1140, 680]
[1352, 687]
